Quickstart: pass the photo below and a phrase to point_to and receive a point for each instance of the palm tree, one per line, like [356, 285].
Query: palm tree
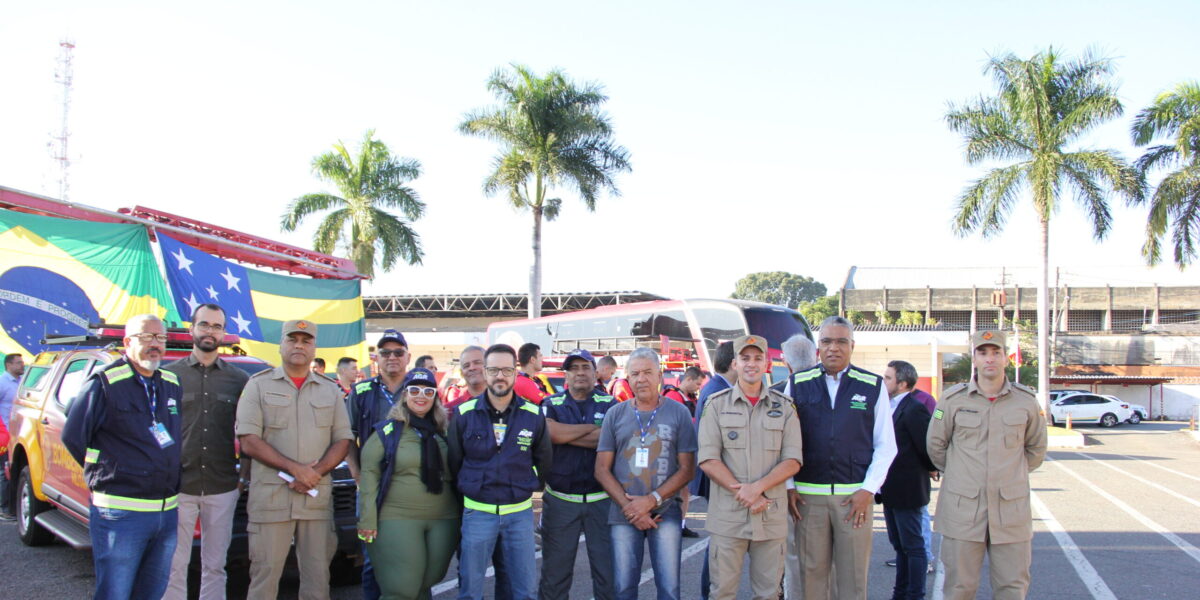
[552, 134]
[1042, 106]
[1177, 197]
[369, 183]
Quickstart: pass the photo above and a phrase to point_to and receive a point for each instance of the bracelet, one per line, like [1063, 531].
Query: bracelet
[657, 497]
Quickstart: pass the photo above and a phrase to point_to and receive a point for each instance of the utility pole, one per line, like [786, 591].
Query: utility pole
[64, 75]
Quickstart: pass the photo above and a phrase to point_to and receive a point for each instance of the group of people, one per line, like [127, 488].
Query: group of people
[791, 470]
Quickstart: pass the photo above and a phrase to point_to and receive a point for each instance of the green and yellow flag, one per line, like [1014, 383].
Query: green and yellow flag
[59, 275]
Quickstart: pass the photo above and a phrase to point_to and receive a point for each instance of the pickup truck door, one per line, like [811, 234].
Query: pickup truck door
[63, 474]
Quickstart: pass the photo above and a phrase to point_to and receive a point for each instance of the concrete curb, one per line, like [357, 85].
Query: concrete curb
[1061, 438]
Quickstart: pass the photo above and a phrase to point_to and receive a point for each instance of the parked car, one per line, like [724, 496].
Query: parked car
[49, 494]
[1107, 411]
[1056, 394]
[1140, 413]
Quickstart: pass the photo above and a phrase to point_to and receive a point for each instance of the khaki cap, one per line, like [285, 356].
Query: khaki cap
[757, 341]
[300, 326]
[985, 338]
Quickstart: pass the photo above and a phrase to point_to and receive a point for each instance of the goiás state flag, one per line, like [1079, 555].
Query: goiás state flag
[257, 303]
[59, 275]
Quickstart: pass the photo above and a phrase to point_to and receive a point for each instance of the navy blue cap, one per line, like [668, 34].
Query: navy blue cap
[391, 335]
[420, 376]
[578, 353]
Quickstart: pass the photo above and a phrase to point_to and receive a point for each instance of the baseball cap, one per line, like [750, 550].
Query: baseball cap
[300, 326]
[578, 353]
[749, 340]
[984, 338]
[391, 335]
[420, 376]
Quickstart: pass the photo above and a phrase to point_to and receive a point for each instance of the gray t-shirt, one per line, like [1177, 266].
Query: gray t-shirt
[667, 434]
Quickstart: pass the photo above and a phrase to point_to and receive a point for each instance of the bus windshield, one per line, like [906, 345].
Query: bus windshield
[776, 324]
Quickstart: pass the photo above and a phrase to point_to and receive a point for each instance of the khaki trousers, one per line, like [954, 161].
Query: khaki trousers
[726, 556]
[316, 544]
[964, 561]
[793, 577]
[216, 529]
[829, 545]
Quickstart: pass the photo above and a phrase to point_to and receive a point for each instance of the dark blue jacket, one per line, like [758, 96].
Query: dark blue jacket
[108, 432]
[498, 474]
[367, 404]
[574, 467]
[838, 440]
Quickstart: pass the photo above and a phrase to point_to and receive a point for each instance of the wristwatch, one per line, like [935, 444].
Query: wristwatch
[658, 499]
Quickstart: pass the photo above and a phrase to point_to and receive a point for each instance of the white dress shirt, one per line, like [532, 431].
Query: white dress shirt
[883, 435]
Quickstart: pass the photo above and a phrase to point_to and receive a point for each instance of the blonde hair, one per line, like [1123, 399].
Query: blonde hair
[401, 413]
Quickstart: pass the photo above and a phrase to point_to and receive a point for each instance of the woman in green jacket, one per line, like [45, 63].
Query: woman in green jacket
[410, 513]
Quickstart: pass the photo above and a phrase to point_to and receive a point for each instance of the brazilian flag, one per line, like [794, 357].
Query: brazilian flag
[257, 303]
[59, 275]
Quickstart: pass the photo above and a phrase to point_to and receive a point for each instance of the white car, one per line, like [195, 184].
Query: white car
[1139, 414]
[1108, 411]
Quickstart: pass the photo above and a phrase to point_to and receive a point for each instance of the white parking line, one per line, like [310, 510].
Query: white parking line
[1179, 542]
[1161, 488]
[1158, 466]
[1091, 579]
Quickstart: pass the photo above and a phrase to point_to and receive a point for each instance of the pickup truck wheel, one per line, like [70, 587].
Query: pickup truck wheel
[1135, 418]
[28, 507]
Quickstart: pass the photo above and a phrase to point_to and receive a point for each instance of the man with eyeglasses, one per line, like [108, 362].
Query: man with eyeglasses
[499, 450]
[369, 403]
[575, 502]
[124, 428]
[210, 484]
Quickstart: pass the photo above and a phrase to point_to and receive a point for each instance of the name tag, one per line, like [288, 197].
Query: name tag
[641, 459]
[161, 435]
[498, 429]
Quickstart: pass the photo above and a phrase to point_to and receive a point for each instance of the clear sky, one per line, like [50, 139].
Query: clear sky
[797, 136]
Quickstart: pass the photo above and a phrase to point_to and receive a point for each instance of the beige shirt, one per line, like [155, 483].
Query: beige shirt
[986, 450]
[299, 424]
[750, 440]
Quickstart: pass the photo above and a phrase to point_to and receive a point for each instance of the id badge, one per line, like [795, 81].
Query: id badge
[641, 459]
[499, 429]
[161, 435]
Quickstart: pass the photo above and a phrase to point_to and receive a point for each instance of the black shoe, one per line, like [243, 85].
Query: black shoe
[890, 563]
[688, 533]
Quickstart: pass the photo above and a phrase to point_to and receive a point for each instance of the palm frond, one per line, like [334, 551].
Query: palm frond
[306, 205]
[985, 205]
[396, 240]
[331, 231]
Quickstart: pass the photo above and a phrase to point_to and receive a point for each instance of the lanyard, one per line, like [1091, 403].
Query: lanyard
[151, 395]
[390, 397]
[644, 430]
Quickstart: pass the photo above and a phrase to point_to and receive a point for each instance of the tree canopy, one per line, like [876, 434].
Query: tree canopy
[779, 287]
[1175, 202]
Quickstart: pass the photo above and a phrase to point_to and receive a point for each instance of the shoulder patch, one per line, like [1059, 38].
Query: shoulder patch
[602, 398]
[531, 407]
[938, 414]
[467, 406]
[362, 387]
[803, 376]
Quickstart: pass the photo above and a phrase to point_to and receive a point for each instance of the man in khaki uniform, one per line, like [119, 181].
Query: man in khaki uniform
[985, 437]
[292, 422]
[749, 448]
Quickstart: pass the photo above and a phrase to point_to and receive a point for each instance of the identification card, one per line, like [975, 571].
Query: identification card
[161, 435]
[641, 459]
[499, 429]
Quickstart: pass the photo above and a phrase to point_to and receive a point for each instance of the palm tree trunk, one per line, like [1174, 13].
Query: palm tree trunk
[535, 272]
[1043, 322]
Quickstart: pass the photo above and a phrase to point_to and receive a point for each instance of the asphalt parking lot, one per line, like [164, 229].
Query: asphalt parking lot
[1120, 519]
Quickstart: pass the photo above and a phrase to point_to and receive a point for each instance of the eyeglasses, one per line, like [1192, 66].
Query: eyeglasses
[206, 326]
[146, 338]
[391, 353]
[421, 390]
[494, 371]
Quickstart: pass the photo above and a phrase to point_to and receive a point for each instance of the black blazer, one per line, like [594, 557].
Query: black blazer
[907, 483]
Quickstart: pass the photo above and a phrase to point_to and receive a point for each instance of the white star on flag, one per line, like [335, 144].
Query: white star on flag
[211, 292]
[230, 280]
[192, 304]
[243, 325]
[184, 263]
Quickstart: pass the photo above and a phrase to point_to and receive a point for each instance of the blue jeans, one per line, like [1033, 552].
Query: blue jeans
[482, 533]
[666, 544]
[904, 532]
[132, 552]
[927, 532]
